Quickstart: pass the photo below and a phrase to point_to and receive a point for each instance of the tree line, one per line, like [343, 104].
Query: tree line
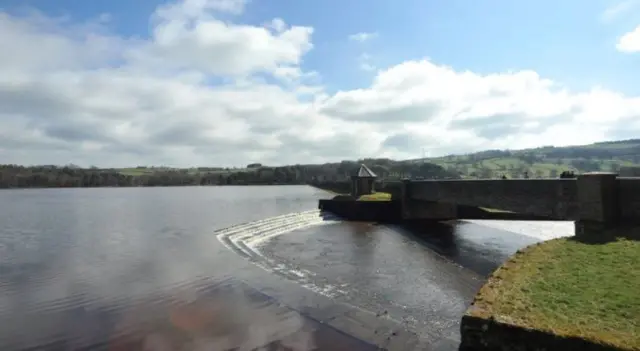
[16, 176]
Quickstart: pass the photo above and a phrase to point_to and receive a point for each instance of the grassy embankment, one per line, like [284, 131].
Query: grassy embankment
[370, 197]
[571, 289]
[377, 196]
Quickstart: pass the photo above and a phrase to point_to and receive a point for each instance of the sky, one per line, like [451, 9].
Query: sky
[229, 82]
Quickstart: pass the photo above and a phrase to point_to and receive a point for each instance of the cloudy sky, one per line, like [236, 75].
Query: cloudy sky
[229, 82]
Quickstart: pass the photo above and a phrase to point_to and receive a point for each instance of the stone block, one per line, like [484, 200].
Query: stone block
[598, 197]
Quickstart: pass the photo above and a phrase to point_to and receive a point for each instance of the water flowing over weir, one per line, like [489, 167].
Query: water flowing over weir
[245, 238]
[373, 330]
[238, 237]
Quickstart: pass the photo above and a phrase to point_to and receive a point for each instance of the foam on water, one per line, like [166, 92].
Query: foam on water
[543, 230]
[246, 238]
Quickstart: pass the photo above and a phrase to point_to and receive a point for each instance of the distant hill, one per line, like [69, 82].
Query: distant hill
[546, 161]
[16, 176]
[540, 162]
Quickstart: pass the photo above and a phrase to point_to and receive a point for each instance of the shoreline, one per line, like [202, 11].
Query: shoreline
[151, 186]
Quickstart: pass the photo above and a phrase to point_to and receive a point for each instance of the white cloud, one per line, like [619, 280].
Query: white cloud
[202, 91]
[630, 42]
[366, 62]
[198, 8]
[618, 9]
[363, 36]
[188, 35]
[277, 24]
[422, 104]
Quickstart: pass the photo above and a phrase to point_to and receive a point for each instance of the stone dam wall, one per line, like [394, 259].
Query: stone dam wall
[490, 335]
[344, 187]
[587, 197]
[628, 198]
[370, 211]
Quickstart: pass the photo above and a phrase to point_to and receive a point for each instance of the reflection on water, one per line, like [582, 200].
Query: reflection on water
[227, 316]
[139, 268]
[74, 263]
[216, 316]
[423, 276]
[474, 246]
[361, 247]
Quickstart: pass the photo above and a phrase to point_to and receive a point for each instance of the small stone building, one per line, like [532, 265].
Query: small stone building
[362, 183]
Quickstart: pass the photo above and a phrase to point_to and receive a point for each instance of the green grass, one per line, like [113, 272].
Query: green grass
[375, 197]
[549, 162]
[570, 288]
[506, 165]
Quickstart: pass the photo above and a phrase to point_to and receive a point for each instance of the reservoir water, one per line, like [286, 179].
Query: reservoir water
[207, 268]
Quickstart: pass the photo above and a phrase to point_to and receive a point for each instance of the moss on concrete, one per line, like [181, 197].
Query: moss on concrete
[381, 196]
[569, 289]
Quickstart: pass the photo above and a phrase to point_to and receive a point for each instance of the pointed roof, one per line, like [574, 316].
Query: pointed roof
[365, 172]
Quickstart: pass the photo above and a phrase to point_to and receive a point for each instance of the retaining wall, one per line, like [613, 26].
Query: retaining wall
[393, 188]
[373, 211]
[489, 335]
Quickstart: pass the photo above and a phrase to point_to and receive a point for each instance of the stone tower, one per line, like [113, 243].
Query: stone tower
[362, 183]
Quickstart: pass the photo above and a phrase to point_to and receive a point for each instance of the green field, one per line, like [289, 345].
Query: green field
[544, 161]
[512, 166]
[540, 162]
[570, 288]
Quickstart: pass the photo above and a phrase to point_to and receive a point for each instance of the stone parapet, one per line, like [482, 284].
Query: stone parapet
[599, 202]
[553, 198]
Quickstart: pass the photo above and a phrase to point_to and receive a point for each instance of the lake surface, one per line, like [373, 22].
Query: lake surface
[179, 268]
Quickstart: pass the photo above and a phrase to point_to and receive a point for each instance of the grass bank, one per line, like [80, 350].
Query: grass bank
[571, 289]
[375, 197]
